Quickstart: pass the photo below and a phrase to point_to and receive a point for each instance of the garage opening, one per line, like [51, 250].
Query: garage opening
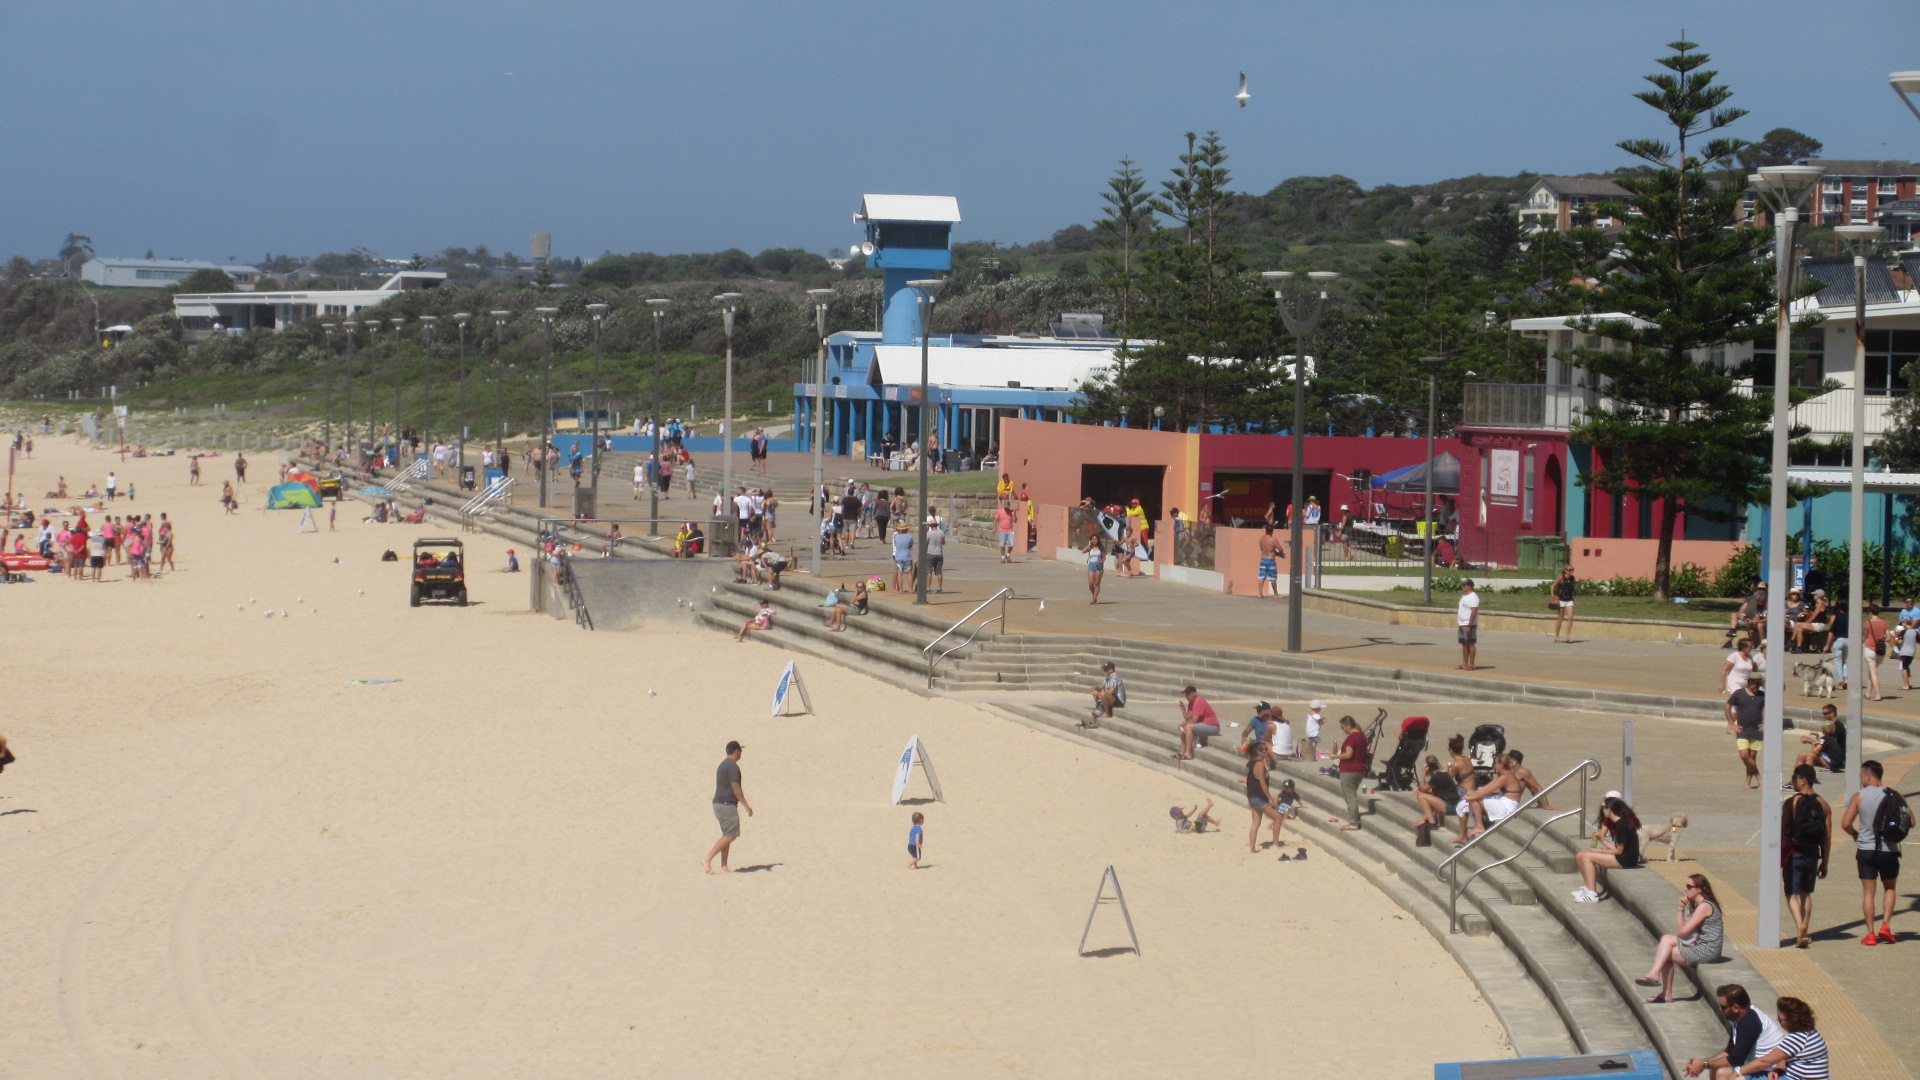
[1246, 495]
[1118, 484]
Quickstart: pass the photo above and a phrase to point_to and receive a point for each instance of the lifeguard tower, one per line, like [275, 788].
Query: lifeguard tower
[907, 236]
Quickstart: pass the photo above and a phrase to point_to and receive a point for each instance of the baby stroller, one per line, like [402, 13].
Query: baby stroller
[1400, 769]
[1489, 741]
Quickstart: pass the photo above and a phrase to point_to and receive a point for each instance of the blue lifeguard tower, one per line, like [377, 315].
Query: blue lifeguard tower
[908, 236]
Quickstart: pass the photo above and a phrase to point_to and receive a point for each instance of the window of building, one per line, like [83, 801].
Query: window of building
[148, 274]
[1888, 354]
[1808, 362]
[898, 235]
[1526, 487]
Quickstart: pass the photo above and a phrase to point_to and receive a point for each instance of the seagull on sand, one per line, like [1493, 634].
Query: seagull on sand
[1242, 96]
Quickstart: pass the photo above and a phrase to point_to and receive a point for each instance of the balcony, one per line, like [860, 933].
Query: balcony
[1532, 407]
[1525, 406]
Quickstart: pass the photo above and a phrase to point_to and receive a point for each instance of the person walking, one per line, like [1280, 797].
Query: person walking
[1873, 825]
[728, 798]
[1003, 525]
[1353, 759]
[1562, 592]
[1260, 795]
[1096, 566]
[1806, 821]
[1873, 647]
[1746, 722]
[1467, 618]
[1269, 572]
[1739, 665]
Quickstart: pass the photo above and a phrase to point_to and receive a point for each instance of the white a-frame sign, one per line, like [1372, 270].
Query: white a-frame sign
[915, 751]
[1100, 897]
[790, 682]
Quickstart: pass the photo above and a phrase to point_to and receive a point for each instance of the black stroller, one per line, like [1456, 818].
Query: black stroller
[1402, 768]
[1489, 741]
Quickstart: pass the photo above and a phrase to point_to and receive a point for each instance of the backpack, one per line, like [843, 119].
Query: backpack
[1807, 829]
[1892, 821]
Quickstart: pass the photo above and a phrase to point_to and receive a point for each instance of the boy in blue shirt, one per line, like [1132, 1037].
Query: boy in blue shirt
[915, 836]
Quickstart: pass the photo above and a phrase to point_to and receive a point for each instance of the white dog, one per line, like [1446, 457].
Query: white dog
[1817, 678]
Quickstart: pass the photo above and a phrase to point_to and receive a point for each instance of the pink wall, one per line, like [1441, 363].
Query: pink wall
[1045, 458]
[1597, 559]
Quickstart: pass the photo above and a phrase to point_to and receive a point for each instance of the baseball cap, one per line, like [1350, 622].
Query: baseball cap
[734, 748]
[1807, 773]
[1135, 502]
[1316, 703]
[1262, 707]
[1611, 795]
[1108, 666]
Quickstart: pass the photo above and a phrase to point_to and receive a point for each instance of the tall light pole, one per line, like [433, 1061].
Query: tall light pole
[926, 290]
[426, 383]
[1301, 322]
[396, 322]
[500, 320]
[1782, 186]
[1862, 240]
[546, 399]
[352, 327]
[599, 313]
[729, 305]
[460, 432]
[1426, 579]
[822, 299]
[658, 306]
[326, 437]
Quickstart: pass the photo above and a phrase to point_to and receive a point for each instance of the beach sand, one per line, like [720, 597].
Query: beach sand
[222, 859]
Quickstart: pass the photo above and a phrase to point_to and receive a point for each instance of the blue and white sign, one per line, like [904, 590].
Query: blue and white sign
[790, 682]
[915, 751]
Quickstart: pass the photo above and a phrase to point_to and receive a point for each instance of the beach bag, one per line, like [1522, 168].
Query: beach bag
[833, 598]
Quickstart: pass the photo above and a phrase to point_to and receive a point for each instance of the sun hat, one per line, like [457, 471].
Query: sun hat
[1316, 703]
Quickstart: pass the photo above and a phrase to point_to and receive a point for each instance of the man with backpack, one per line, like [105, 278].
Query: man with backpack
[1878, 819]
[1807, 823]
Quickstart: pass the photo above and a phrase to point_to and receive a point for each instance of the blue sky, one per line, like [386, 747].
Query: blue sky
[203, 129]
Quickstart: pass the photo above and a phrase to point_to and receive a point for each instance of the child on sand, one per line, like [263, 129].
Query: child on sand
[1195, 820]
[915, 837]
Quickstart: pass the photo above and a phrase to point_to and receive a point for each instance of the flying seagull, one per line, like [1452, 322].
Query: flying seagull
[1242, 96]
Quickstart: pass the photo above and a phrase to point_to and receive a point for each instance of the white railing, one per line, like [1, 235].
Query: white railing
[404, 479]
[484, 503]
[1559, 408]
[1832, 413]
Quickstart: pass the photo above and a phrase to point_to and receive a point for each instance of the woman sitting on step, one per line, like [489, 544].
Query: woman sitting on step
[1623, 853]
[1697, 939]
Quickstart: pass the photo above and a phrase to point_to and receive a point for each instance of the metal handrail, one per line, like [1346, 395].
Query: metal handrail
[933, 662]
[485, 502]
[1447, 871]
[404, 479]
[575, 598]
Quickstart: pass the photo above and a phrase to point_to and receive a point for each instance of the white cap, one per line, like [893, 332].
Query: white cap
[1316, 704]
[1611, 795]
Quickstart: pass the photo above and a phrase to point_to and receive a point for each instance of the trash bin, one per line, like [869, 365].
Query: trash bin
[1527, 552]
[1555, 552]
[466, 477]
[1395, 547]
[583, 507]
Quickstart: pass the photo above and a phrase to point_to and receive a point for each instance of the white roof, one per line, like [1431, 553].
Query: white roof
[1033, 369]
[1842, 479]
[909, 208]
[1569, 322]
[171, 264]
[188, 311]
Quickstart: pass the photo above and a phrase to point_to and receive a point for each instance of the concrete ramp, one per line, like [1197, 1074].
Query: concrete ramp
[624, 594]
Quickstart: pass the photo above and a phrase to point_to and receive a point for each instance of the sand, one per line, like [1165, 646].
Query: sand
[223, 860]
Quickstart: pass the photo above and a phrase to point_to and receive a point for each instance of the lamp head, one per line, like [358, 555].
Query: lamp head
[462, 318]
[730, 300]
[547, 313]
[1159, 411]
[1322, 276]
[1433, 359]
[429, 320]
[327, 326]
[351, 325]
[1278, 277]
[598, 310]
[927, 287]
[1787, 184]
[1905, 82]
[659, 305]
[821, 297]
[501, 317]
[1860, 239]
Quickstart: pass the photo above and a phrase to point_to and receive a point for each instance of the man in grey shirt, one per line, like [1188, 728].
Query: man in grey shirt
[1746, 712]
[1109, 695]
[727, 801]
[936, 553]
[1876, 859]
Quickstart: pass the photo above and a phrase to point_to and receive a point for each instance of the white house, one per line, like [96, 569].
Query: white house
[158, 273]
[201, 313]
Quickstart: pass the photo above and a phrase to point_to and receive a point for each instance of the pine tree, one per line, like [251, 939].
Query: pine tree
[1674, 426]
[1123, 234]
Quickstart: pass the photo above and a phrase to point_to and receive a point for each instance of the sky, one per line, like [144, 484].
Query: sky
[205, 129]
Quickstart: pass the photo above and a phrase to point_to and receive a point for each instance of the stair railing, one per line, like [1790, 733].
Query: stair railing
[404, 479]
[484, 503]
[933, 662]
[563, 568]
[1449, 869]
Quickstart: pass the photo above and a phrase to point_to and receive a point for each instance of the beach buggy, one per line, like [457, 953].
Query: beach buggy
[439, 570]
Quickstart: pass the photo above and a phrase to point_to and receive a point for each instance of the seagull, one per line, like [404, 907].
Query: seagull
[1041, 608]
[1242, 96]
[508, 74]
[650, 693]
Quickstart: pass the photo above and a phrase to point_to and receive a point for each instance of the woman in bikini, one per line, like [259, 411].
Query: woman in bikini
[1491, 803]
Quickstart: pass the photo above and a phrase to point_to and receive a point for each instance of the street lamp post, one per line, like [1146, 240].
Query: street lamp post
[1426, 580]
[326, 429]
[822, 298]
[397, 322]
[729, 305]
[926, 289]
[1783, 186]
[658, 305]
[500, 319]
[352, 327]
[1301, 322]
[460, 431]
[1861, 240]
[1159, 416]
[546, 399]
[1123, 416]
[426, 384]
[599, 313]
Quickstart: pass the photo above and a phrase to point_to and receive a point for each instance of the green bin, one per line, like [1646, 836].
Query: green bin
[1555, 553]
[1527, 552]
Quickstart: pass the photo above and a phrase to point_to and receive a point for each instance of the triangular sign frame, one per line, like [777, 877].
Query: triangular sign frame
[306, 521]
[782, 691]
[1100, 897]
[915, 754]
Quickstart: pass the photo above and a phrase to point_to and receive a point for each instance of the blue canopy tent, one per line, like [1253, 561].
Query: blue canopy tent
[1412, 480]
